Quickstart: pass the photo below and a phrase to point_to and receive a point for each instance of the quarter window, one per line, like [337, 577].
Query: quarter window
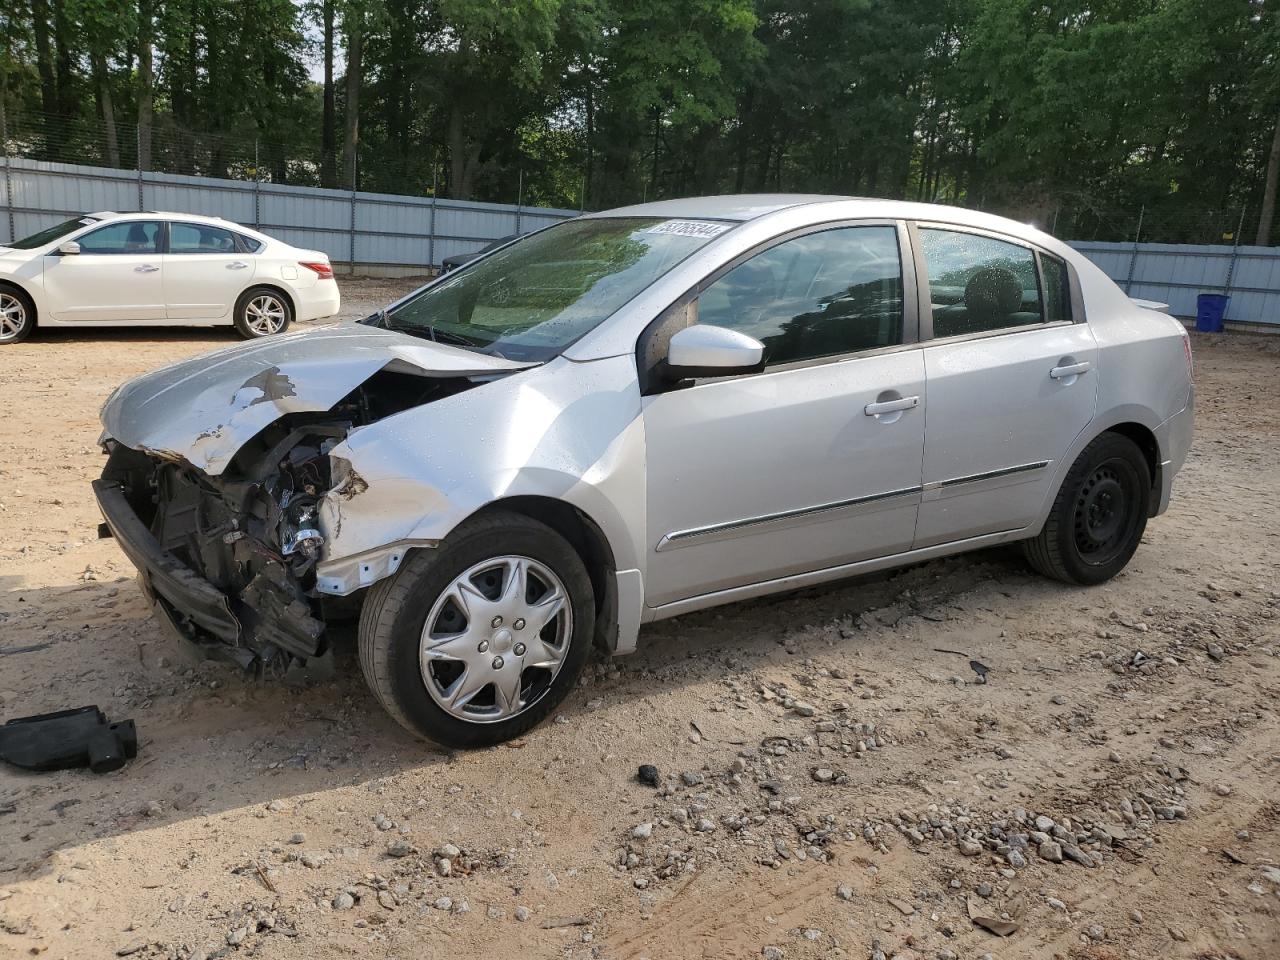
[818, 295]
[1057, 289]
[128, 236]
[978, 283]
[200, 238]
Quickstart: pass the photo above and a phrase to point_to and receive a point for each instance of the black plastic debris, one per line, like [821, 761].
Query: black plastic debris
[648, 775]
[68, 738]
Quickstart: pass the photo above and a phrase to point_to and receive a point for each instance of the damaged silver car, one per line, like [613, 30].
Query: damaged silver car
[637, 414]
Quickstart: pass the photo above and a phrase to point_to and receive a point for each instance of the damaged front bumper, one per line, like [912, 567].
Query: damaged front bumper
[225, 565]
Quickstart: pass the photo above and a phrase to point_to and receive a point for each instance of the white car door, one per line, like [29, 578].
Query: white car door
[204, 272]
[117, 275]
[811, 463]
[1012, 381]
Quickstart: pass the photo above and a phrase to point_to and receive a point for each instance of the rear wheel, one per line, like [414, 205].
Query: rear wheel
[477, 641]
[1099, 515]
[262, 312]
[17, 315]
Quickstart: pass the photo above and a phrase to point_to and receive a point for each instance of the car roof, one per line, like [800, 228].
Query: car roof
[747, 207]
[742, 206]
[167, 215]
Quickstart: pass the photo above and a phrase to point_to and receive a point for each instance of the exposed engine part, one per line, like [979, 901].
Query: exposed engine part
[253, 532]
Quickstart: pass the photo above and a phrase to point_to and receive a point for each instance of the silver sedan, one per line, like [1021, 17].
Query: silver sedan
[636, 414]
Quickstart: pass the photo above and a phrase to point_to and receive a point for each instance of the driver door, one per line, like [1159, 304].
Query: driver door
[117, 275]
[812, 463]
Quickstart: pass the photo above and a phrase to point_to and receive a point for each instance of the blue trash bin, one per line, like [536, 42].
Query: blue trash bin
[1210, 309]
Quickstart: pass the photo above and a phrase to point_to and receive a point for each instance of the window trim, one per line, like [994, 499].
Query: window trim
[238, 246]
[925, 304]
[162, 238]
[682, 312]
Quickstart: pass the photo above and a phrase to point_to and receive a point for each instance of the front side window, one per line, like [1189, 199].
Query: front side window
[818, 295]
[978, 283]
[533, 298]
[128, 236]
[50, 234]
[200, 238]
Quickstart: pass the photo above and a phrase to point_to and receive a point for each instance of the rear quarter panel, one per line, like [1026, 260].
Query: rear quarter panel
[1142, 370]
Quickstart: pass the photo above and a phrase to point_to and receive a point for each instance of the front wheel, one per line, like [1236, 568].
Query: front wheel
[17, 315]
[1099, 515]
[262, 312]
[475, 642]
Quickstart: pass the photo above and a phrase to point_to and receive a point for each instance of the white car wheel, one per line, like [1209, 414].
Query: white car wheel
[16, 316]
[263, 313]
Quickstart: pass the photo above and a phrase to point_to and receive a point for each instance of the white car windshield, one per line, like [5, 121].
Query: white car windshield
[50, 234]
[532, 299]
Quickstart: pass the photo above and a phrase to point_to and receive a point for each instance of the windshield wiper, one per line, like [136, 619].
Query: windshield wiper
[382, 318]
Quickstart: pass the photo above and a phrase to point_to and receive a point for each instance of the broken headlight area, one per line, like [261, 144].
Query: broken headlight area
[253, 532]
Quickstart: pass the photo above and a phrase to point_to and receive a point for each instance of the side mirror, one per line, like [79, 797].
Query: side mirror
[705, 350]
[68, 248]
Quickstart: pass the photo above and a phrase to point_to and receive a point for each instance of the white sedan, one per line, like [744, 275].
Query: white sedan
[159, 269]
[637, 414]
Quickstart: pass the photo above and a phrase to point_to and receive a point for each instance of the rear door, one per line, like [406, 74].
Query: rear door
[1011, 370]
[117, 275]
[204, 272]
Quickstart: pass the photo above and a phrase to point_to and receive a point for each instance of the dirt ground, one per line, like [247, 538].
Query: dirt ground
[835, 782]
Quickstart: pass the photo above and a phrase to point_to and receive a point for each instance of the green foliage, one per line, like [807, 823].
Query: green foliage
[1083, 110]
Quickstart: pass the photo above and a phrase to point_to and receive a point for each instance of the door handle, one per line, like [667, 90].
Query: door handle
[237, 265]
[890, 406]
[145, 268]
[1069, 370]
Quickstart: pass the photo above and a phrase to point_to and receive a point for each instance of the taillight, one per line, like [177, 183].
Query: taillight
[320, 268]
[1186, 349]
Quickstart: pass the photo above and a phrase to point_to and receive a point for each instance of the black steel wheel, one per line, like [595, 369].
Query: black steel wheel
[1098, 516]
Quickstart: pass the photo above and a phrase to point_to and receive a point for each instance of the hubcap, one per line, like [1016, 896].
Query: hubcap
[265, 315]
[495, 639]
[13, 316]
[1102, 514]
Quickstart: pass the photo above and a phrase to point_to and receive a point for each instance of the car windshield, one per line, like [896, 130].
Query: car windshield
[50, 234]
[532, 299]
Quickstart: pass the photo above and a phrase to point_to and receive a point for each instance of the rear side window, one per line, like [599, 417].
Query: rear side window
[818, 295]
[129, 236]
[978, 283]
[200, 238]
[1057, 289]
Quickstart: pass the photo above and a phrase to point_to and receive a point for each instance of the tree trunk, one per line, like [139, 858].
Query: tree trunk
[44, 65]
[463, 160]
[328, 123]
[588, 173]
[146, 83]
[1267, 217]
[744, 121]
[106, 110]
[62, 53]
[657, 131]
[355, 51]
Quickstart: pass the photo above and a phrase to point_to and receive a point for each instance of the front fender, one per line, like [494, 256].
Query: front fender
[567, 431]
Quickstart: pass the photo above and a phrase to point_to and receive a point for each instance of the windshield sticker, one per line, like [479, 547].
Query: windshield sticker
[702, 229]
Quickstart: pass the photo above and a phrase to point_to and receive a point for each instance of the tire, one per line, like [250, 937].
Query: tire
[417, 608]
[17, 315]
[1098, 516]
[262, 312]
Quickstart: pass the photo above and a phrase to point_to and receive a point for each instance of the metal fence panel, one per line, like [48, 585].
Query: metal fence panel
[368, 232]
[1176, 273]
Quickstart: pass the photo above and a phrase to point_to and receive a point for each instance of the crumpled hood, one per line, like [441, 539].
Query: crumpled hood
[204, 409]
